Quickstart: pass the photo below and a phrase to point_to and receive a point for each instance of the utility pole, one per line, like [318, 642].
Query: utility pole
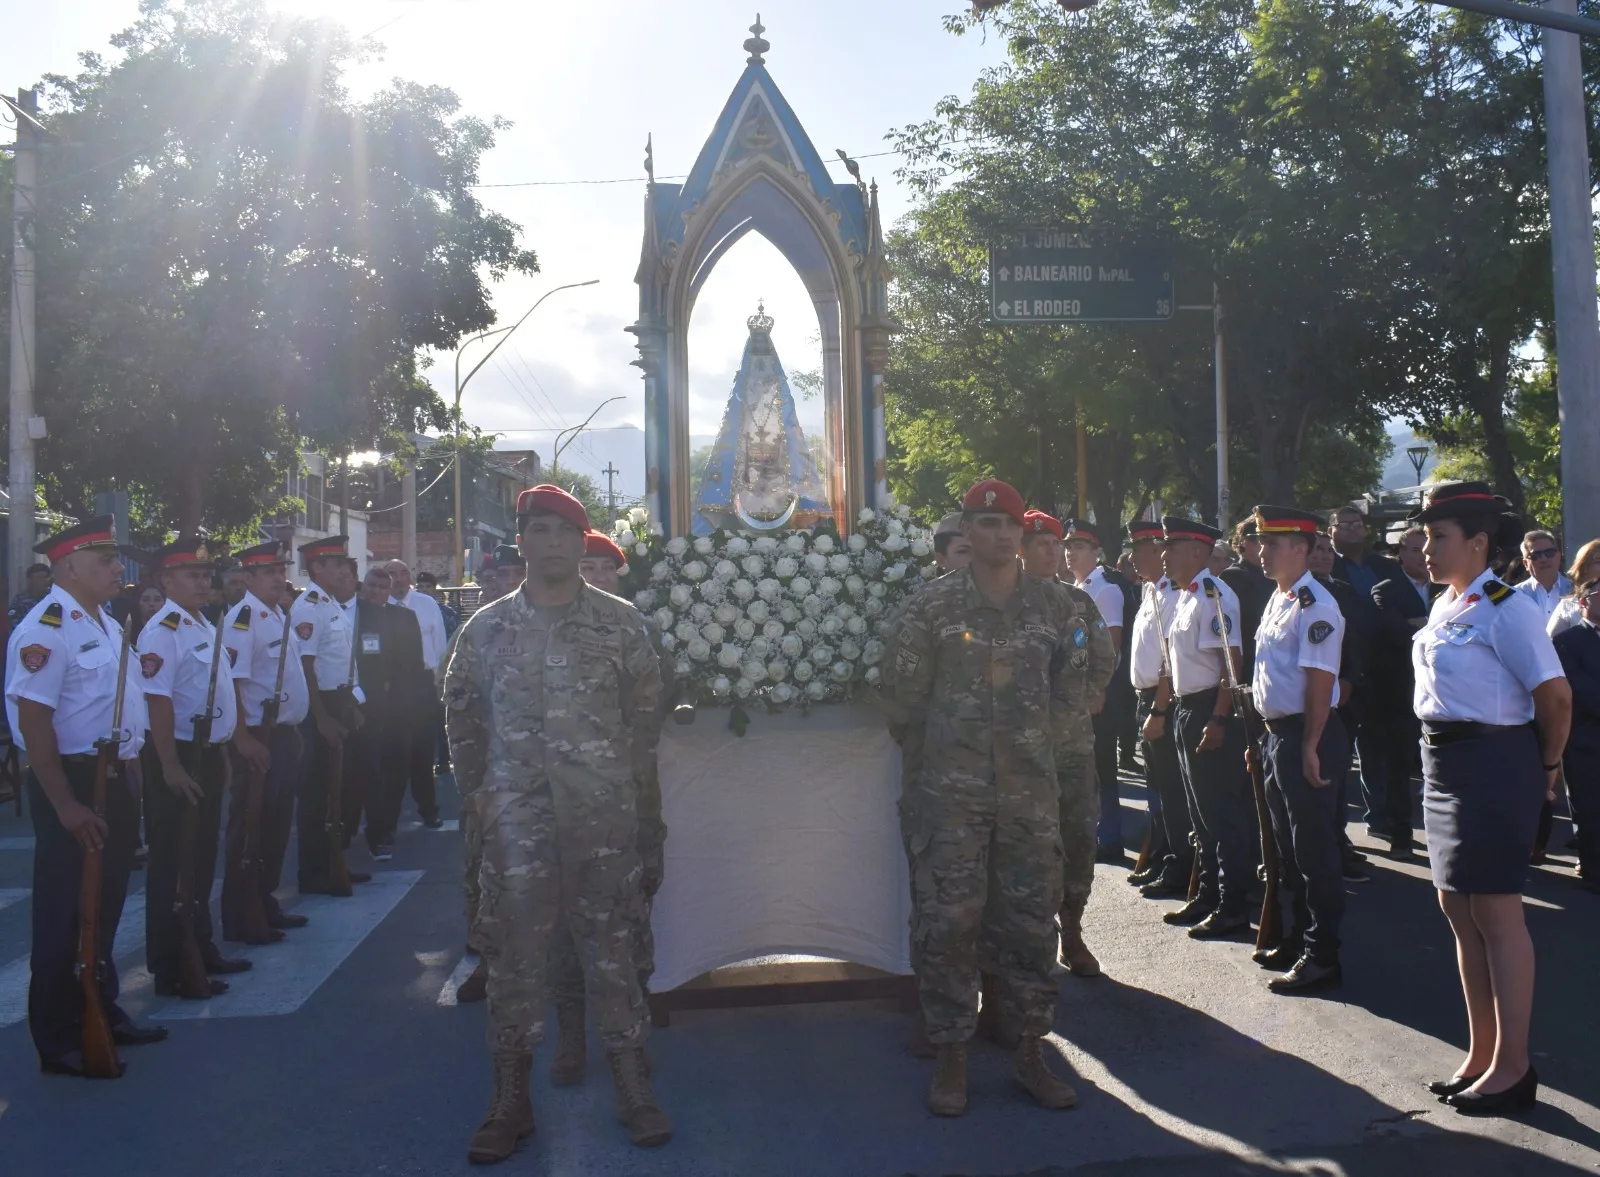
[1572, 260]
[408, 515]
[1224, 488]
[611, 473]
[24, 353]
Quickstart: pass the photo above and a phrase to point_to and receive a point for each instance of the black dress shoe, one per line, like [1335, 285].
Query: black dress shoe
[1308, 976]
[286, 919]
[433, 823]
[218, 966]
[1189, 914]
[1402, 851]
[1165, 886]
[71, 1063]
[173, 989]
[1280, 959]
[1138, 878]
[360, 876]
[1220, 924]
[1520, 1096]
[128, 1034]
[1444, 1087]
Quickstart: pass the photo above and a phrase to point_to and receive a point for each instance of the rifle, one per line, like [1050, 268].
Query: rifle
[245, 874]
[338, 872]
[100, 1059]
[1269, 933]
[193, 984]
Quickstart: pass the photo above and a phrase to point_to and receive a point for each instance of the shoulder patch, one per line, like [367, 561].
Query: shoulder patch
[242, 621]
[34, 657]
[1307, 598]
[1319, 632]
[51, 616]
[149, 665]
[304, 631]
[1496, 591]
[171, 620]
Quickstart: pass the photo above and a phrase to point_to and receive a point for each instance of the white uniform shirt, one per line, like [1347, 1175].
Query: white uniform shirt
[1196, 638]
[1150, 625]
[1568, 613]
[1107, 596]
[175, 652]
[324, 629]
[1546, 598]
[1301, 630]
[1479, 661]
[59, 657]
[431, 621]
[254, 639]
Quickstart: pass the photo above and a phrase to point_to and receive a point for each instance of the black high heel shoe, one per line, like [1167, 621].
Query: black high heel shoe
[1446, 1087]
[1520, 1096]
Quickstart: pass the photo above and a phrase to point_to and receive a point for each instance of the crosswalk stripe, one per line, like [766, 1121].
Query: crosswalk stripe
[286, 974]
[14, 976]
[463, 970]
[10, 895]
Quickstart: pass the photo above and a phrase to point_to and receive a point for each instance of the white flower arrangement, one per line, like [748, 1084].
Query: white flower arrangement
[798, 618]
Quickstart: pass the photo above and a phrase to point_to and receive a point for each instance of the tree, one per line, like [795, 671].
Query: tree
[1532, 433]
[238, 256]
[582, 488]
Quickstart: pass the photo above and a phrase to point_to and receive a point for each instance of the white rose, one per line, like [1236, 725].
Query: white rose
[788, 613]
[777, 670]
[720, 685]
[894, 543]
[687, 631]
[729, 655]
[758, 611]
[792, 645]
[766, 545]
[874, 676]
[753, 565]
[699, 649]
[894, 572]
[725, 570]
[806, 628]
[800, 587]
[903, 511]
[816, 690]
[683, 668]
[700, 612]
[856, 626]
[754, 671]
[816, 562]
[841, 671]
[726, 613]
[661, 572]
[824, 544]
[668, 642]
[677, 546]
[743, 688]
[813, 606]
[644, 600]
[664, 619]
[694, 570]
[795, 543]
[873, 654]
[920, 549]
[627, 539]
[844, 610]
[638, 516]
[849, 651]
[773, 630]
[838, 563]
[831, 626]
[737, 546]
[743, 589]
[785, 567]
[769, 589]
[874, 607]
[680, 595]
[866, 515]
[854, 585]
[703, 545]
[875, 589]
[828, 586]
[713, 590]
[871, 563]
[896, 527]
[783, 693]
[857, 542]
[821, 654]
[641, 549]
[713, 633]
[760, 646]
[745, 628]
[803, 671]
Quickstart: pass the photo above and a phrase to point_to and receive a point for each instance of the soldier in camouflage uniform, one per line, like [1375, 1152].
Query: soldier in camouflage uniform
[1081, 694]
[551, 698]
[973, 672]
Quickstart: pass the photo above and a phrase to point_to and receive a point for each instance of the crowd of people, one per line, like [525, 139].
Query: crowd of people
[1253, 676]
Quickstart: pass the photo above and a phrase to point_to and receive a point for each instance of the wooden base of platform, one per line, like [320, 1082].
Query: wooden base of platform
[783, 981]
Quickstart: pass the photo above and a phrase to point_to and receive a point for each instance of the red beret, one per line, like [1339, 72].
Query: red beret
[556, 501]
[599, 544]
[1037, 522]
[993, 495]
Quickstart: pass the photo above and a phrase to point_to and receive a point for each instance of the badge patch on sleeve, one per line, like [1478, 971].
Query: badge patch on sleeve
[1080, 637]
[150, 665]
[1319, 632]
[34, 657]
[303, 630]
[1226, 621]
[906, 661]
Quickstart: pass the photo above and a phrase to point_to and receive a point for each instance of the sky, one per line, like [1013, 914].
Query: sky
[584, 82]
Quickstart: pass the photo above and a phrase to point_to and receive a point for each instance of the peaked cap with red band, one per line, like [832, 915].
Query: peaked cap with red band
[318, 549]
[1143, 529]
[1271, 520]
[99, 532]
[1082, 529]
[263, 555]
[1451, 500]
[993, 495]
[556, 501]
[185, 553]
[1176, 527]
[1038, 523]
[597, 543]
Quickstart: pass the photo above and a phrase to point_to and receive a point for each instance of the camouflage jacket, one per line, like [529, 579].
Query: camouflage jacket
[1091, 663]
[584, 713]
[977, 685]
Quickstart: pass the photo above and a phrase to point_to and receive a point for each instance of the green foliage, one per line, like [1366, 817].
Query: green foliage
[1533, 432]
[583, 488]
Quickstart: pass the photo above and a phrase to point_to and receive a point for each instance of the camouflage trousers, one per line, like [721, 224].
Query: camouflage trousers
[1080, 817]
[537, 875]
[566, 969]
[985, 884]
[472, 854]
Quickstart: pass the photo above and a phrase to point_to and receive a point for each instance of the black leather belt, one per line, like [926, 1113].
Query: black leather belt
[1436, 733]
[1285, 725]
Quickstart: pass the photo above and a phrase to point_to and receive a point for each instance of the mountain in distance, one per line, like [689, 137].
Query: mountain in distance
[1398, 473]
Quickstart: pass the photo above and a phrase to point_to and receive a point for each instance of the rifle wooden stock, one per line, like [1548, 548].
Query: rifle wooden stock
[1143, 861]
[193, 983]
[244, 873]
[100, 1059]
[1194, 869]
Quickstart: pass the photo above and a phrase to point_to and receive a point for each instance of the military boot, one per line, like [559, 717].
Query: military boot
[510, 1115]
[1075, 954]
[476, 986]
[947, 1094]
[1030, 1069]
[572, 1046]
[637, 1109]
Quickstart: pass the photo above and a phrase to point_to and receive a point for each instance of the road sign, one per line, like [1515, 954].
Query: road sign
[1047, 276]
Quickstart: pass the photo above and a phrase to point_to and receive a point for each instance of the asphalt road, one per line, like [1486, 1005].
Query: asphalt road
[336, 1057]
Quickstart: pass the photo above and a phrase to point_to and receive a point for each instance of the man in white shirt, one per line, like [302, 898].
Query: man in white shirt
[424, 727]
[1546, 583]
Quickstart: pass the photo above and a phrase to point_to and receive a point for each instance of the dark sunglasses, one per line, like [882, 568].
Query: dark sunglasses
[1544, 553]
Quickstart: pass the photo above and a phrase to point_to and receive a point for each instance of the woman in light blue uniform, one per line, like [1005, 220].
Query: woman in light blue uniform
[1495, 709]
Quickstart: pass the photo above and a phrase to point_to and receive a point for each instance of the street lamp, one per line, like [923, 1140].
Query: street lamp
[505, 334]
[555, 457]
[1419, 458]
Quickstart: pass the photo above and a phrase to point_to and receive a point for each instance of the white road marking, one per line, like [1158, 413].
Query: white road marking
[16, 843]
[288, 973]
[463, 970]
[14, 976]
[10, 895]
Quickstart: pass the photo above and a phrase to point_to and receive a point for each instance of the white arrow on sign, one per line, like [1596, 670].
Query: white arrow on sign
[1005, 308]
[1005, 273]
